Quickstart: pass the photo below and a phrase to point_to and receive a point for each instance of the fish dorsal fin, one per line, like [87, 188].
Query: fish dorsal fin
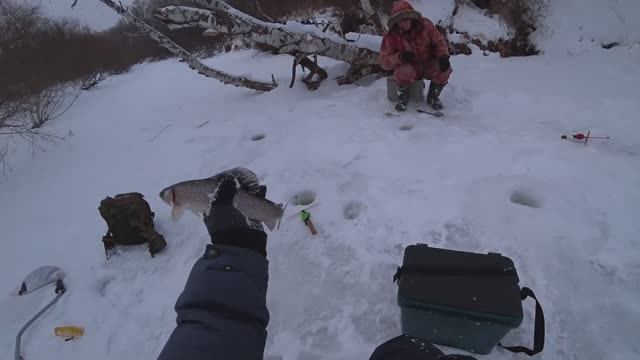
[247, 179]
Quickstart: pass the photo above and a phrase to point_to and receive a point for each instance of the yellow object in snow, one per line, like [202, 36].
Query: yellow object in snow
[69, 331]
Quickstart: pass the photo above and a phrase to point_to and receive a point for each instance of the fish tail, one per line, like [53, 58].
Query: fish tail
[280, 219]
[272, 223]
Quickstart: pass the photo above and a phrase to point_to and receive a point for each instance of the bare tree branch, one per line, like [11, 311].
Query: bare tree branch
[92, 80]
[376, 15]
[159, 133]
[183, 54]
[17, 122]
[4, 165]
[259, 8]
[50, 104]
[33, 137]
[296, 40]
[282, 38]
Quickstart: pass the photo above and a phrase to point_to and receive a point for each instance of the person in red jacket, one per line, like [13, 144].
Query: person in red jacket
[414, 49]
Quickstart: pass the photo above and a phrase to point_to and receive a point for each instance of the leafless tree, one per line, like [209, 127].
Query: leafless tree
[90, 81]
[25, 117]
[28, 114]
[17, 22]
[4, 165]
[194, 63]
[50, 104]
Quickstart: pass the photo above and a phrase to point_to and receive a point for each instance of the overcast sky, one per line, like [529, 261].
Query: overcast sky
[89, 12]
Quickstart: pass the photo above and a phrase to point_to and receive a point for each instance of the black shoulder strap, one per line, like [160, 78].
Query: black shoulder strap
[538, 334]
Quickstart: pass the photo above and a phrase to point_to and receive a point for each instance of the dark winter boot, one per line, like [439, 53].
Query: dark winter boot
[403, 98]
[433, 96]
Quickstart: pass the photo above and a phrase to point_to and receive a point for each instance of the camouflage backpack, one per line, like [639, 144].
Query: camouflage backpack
[130, 222]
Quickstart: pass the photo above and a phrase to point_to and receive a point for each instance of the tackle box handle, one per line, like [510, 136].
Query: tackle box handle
[538, 334]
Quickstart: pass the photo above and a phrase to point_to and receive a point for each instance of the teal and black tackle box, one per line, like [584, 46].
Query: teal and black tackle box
[465, 300]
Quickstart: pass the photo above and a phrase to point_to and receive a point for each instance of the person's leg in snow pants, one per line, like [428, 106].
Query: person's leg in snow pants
[407, 74]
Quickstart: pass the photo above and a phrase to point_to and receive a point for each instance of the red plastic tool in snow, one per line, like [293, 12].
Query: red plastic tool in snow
[586, 138]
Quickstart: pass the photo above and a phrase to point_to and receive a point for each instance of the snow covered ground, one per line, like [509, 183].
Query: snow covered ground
[452, 182]
[493, 175]
[576, 26]
[480, 24]
[566, 27]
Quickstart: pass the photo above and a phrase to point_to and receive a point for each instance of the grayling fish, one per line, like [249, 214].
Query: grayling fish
[196, 196]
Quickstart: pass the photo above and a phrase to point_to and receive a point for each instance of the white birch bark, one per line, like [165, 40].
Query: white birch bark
[290, 38]
[191, 60]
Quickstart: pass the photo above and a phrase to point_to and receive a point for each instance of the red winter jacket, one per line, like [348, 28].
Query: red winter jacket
[424, 40]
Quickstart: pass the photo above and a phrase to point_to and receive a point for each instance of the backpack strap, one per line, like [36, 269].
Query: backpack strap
[538, 334]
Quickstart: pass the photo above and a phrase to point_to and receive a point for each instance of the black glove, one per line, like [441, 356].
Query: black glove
[444, 63]
[226, 224]
[406, 347]
[407, 56]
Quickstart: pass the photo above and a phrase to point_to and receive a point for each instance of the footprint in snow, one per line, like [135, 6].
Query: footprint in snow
[352, 210]
[102, 284]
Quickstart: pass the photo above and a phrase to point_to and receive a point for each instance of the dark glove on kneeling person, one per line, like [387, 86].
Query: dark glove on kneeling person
[228, 226]
[444, 63]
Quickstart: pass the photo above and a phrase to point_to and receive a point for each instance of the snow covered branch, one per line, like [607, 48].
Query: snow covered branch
[293, 38]
[194, 63]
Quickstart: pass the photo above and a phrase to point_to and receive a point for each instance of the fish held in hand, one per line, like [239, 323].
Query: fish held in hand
[196, 196]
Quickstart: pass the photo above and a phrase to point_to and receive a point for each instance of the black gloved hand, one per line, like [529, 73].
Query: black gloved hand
[226, 224]
[407, 56]
[444, 63]
[406, 347]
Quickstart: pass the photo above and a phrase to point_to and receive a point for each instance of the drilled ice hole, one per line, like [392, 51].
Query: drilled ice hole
[303, 198]
[524, 198]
